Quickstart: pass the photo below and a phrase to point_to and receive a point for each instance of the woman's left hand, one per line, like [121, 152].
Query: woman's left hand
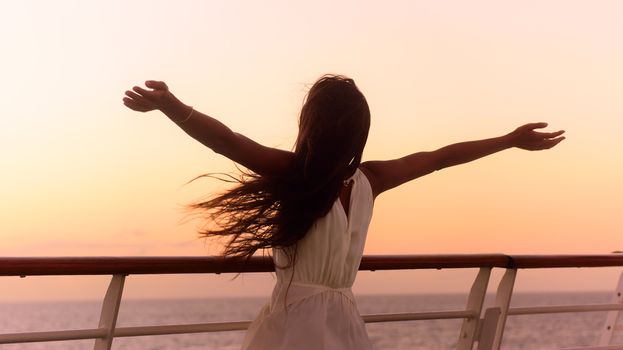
[525, 137]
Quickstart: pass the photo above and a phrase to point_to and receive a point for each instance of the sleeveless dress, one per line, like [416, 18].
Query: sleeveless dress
[318, 310]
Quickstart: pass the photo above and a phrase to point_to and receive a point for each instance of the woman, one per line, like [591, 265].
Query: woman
[312, 206]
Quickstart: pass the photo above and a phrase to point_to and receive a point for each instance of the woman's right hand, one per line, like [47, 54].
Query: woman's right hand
[143, 100]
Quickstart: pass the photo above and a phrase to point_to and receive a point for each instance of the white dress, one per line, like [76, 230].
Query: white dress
[321, 312]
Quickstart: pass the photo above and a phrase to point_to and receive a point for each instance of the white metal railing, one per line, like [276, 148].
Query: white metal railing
[481, 328]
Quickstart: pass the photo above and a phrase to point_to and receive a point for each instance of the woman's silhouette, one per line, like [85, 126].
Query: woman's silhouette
[312, 206]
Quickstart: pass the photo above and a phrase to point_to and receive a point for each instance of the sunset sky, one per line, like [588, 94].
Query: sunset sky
[83, 175]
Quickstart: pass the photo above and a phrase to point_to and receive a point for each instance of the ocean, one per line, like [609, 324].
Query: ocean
[532, 332]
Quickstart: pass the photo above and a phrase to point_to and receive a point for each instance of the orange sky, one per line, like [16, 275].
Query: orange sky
[82, 175]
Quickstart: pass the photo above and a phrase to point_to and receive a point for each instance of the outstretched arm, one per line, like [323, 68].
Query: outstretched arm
[207, 130]
[385, 175]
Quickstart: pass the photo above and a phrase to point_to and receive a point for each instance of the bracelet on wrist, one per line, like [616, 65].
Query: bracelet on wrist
[192, 109]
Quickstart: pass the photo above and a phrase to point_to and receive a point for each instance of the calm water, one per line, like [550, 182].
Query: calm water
[523, 332]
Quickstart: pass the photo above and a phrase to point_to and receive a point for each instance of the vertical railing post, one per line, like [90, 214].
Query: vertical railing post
[613, 316]
[110, 310]
[474, 303]
[502, 302]
[488, 327]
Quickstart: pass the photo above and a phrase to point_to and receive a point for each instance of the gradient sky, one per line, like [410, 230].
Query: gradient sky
[83, 175]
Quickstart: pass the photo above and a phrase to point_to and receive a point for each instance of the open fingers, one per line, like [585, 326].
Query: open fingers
[547, 144]
[142, 91]
[132, 104]
[554, 142]
[550, 135]
[133, 95]
[135, 105]
[137, 102]
[146, 99]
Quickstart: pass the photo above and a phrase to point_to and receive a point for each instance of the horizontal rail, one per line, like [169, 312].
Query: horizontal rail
[182, 328]
[558, 261]
[605, 347]
[448, 261]
[535, 310]
[33, 337]
[206, 327]
[419, 316]
[25, 266]
[33, 266]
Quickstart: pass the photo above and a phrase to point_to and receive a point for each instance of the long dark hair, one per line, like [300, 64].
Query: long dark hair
[276, 211]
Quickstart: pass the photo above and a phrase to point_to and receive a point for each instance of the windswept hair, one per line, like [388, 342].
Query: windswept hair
[276, 211]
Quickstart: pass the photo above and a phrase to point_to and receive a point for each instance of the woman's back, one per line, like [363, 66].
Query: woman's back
[330, 252]
[312, 306]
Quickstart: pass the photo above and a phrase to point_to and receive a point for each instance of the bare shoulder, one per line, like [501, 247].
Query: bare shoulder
[370, 169]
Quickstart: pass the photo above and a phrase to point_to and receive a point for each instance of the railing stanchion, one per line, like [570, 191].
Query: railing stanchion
[488, 326]
[613, 316]
[110, 310]
[502, 301]
[476, 298]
